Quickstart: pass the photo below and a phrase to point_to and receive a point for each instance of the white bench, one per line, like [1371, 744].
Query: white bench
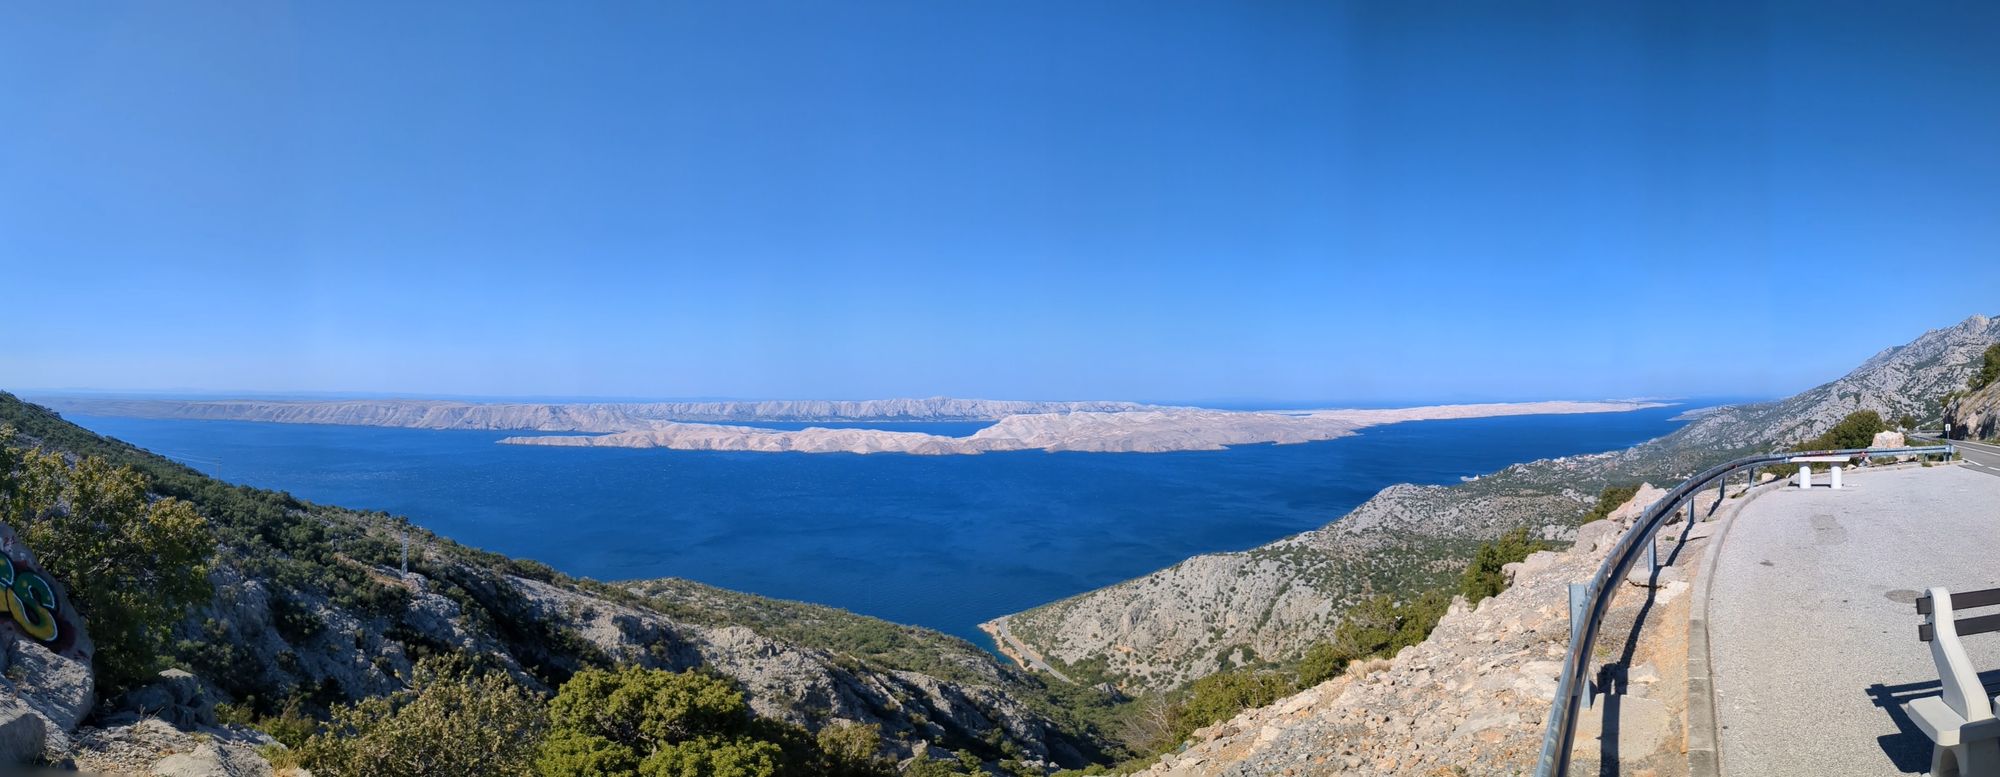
[1805, 472]
[1964, 732]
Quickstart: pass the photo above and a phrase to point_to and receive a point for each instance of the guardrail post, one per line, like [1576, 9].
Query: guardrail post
[1753, 480]
[1836, 477]
[1578, 594]
[1805, 476]
[1652, 558]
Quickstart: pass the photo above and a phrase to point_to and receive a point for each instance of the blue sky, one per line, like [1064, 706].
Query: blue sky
[1158, 200]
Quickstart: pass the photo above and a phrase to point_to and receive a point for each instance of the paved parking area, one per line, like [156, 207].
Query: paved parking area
[1812, 626]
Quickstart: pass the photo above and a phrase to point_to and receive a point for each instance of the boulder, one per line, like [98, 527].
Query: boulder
[177, 697]
[205, 761]
[22, 733]
[1888, 440]
[58, 688]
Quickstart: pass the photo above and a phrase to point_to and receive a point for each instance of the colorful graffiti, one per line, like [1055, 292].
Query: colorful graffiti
[36, 607]
[31, 601]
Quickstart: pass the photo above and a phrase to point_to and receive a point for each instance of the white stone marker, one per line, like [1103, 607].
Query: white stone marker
[1836, 477]
[1805, 476]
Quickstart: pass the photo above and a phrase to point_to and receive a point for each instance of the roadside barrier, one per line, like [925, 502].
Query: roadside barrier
[1590, 601]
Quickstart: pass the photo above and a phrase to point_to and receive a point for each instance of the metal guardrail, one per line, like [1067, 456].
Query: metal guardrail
[1587, 615]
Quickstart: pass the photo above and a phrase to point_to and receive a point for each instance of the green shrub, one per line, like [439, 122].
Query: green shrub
[1989, 369]
[1611, 498]
[133, 565]
[453, 720]
[655, 723]
[1218, 697]
[1484, 576]
[1857, 430]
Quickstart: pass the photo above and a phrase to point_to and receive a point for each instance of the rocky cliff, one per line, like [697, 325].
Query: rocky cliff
[310, 608]
[1272, 602]
[1976, 415]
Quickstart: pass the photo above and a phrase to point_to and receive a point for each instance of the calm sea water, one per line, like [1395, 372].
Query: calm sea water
[938, 541]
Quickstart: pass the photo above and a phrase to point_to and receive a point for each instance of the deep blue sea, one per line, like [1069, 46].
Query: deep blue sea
[938, 541]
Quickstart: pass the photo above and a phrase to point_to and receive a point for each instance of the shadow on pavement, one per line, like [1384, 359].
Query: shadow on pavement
[1909, 748]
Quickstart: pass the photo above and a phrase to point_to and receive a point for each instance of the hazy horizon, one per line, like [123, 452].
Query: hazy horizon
[1223, 403]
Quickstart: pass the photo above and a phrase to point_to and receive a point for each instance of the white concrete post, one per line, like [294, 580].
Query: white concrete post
[1805, 476]
[1836, 477]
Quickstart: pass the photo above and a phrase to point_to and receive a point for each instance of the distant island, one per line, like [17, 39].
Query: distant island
[1105, 427]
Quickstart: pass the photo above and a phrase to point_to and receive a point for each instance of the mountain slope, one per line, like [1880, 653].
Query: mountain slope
[1218, 610]
[310, 608]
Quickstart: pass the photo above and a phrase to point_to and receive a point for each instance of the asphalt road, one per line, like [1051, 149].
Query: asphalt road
[1980, 457]
[1813, 630]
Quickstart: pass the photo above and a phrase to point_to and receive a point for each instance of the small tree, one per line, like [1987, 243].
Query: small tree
[1321, 663]
[1857, 430]
[653, 722]
[1609, 500]
[1486, 575]
[133, 564]
[1989, 369]
[1218, 697]
[452, 721]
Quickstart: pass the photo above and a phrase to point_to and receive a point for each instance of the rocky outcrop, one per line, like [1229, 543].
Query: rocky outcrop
[806, 685]
[151, 747]
[1976, 415]
[54, 691]
[1471, 699]
[1171, 626]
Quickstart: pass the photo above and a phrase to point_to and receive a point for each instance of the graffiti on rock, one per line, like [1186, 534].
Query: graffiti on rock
[36, 607]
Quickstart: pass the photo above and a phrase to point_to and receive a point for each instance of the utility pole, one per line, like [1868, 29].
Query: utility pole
[406, 552]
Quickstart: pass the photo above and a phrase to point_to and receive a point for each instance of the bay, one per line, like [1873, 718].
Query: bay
[940, 541]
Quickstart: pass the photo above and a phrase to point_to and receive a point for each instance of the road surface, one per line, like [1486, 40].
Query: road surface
[1979, 456]
[1812, 626]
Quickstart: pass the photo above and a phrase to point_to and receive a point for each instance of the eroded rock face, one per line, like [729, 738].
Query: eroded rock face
[1976, 416]
[1470, 700]
[58, 690]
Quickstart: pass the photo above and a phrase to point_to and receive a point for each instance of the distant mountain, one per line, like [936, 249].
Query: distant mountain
[1219, 610]
[1104, 427]
[566, 417]
[310, 607]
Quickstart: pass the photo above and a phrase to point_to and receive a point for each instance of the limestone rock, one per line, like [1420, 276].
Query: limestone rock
[22, 733]
[1975, 416]
[60, 690]
[1469, 700]
[177, 697]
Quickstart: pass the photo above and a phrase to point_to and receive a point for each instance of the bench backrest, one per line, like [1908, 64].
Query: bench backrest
[1942, 627]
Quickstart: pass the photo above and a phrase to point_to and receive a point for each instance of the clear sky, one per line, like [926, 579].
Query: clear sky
[1154, 200]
